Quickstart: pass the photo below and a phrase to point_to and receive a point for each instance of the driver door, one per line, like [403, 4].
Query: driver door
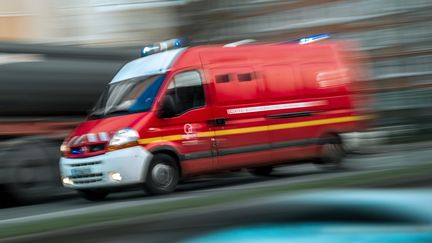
[187, 122]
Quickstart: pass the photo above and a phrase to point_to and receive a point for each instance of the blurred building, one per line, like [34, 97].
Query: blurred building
[23, 19]
[89, 22]
[396, 35]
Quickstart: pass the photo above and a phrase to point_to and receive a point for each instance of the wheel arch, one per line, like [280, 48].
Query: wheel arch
[324, 137]
[168, 150]
[328, 133]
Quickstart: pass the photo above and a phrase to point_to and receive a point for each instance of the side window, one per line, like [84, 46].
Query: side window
[223, 78]
[239, 87]
[186, 90]
[242, 77]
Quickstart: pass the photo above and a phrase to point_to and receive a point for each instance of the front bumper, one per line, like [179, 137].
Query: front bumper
[130, 164]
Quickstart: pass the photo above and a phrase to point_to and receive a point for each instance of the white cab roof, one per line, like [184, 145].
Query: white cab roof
[154, 64]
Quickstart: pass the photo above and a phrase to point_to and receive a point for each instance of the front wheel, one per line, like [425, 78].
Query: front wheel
[93, 195]
[162, 175]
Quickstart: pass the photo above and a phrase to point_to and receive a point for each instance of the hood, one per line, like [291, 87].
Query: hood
[91, 137]
[108, 124]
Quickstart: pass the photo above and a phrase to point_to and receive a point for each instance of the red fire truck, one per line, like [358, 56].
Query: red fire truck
[191, 111]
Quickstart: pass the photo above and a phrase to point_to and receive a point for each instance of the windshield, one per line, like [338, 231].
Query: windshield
[128, 96]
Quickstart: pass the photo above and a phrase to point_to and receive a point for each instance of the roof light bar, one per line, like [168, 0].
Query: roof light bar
[163, 46]
[313, 38]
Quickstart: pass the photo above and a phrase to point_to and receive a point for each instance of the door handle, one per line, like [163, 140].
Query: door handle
[218, 141]
[218, 122]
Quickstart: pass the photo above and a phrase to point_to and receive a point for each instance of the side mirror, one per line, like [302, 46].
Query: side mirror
[167, 107]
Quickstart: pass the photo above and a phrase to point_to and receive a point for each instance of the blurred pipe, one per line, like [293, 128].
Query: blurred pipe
[71, 52]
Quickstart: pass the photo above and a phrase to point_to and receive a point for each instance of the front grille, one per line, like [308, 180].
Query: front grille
[97, 147]
[87, 181]
[86, 176]
[86, 164]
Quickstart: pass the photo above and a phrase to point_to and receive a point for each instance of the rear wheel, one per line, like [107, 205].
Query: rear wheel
[261, 171]
[162, 175]
[93, 195]
[332, 153]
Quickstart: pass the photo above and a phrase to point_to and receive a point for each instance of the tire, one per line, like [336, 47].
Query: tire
[93, 195]
[261, 171]
[332, 153]
[162, 175]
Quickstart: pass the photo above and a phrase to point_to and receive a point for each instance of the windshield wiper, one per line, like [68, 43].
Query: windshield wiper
[116, 111]
[100, 114]
[95, 115]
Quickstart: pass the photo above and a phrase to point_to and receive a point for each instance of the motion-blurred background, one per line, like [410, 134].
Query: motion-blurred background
[57, 55]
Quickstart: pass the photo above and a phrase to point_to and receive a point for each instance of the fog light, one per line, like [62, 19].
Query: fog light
[116, 176]
[67, 181]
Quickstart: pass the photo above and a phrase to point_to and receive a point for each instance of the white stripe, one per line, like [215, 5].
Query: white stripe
[92, 137]
[276, 107]
[103, 136]
[79, 140]
[72, 141]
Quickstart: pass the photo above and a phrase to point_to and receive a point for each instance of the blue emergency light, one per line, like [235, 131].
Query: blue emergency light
[74, 151]
[312, 38]
[163, 46]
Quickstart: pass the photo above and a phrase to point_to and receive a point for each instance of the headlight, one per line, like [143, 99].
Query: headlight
[123, 138]
[64, 148]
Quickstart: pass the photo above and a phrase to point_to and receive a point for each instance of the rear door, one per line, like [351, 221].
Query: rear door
[241, 135]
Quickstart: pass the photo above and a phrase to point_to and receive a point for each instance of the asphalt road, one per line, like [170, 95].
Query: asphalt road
[231, 182]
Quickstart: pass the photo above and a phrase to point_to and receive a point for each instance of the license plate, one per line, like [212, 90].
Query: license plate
[80, 172]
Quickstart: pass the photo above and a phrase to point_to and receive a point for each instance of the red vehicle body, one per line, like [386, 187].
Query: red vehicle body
[258, 106]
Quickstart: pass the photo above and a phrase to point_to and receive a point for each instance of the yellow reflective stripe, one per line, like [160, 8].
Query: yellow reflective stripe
[259, 128]
[160, 139]
[172, 137]
[150, 140]
[241, 130]
[315, 122]
[206, 134]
